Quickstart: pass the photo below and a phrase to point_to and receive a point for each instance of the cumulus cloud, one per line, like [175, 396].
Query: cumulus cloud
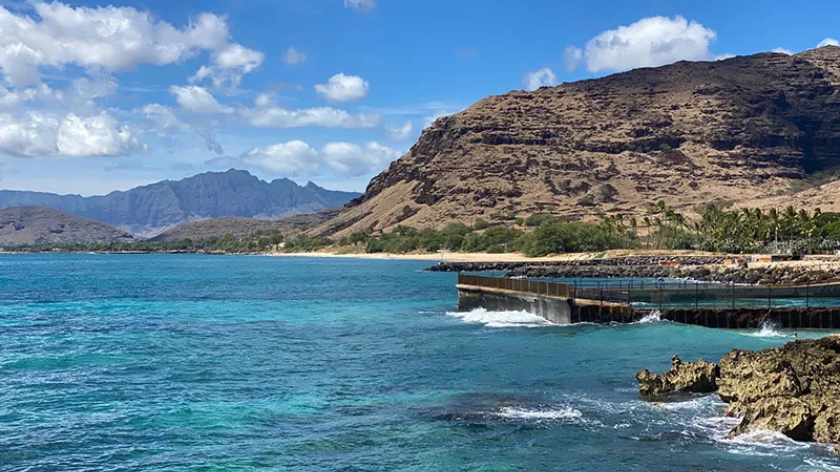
[783, 51]
[198, 100]
[293, 57]
[230, 65]
[544, 77]
[572, 57]
[163, 118]
[43, 135]
[111, 38]
[828, 42]
[399, 133]
[323, 117]
[360, 5]
[291, 158]
[299, 158]
[352, 160]
[649, 42]
[344, 88]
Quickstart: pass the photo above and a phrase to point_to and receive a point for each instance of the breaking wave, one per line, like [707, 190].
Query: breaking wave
[566, 413]
[768, 330]
[653, 317]
[500, 319]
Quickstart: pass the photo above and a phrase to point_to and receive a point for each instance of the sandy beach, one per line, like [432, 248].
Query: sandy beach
[484, 257]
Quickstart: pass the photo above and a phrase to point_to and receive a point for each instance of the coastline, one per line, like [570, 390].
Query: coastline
[485, 257]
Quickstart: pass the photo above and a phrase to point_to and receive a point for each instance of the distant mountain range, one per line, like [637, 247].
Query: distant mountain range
[40, 225]
[151, 209]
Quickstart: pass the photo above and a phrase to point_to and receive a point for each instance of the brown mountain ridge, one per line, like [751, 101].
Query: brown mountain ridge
[690, 133]
[41, 225]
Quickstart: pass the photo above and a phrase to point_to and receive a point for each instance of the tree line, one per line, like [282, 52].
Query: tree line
[716, 229]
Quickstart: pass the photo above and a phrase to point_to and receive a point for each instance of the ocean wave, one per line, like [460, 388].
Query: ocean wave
[654, 317]
[500, 319]
[819, 465]
[565, 413]
[768, 330]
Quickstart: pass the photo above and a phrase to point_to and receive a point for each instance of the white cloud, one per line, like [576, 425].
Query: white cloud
[350, 159]
[298, 158]
[572, 57]
[361, 5]
[230, 64]
[649, 42]
[164, 119]
[399, 133]
[293, 57]
[111, 38]
[291, 158]
[324, 117]
[344, 88]
[783, 51]
[198, 100]
[93, 136]
[544, 77]
[828, 42]
[41, 135]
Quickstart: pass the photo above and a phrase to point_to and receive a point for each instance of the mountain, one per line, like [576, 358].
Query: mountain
[241, 227]
[688, 133]
[40, 225]
[153, 208]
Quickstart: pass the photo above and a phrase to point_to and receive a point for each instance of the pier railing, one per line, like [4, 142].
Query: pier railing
[532, 287]
[668, 294]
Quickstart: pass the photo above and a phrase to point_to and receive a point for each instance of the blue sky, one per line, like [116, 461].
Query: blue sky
[102, 96]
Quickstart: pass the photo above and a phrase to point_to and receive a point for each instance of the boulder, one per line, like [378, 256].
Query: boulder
[827, 425]
[789, 416]
[689, 377]
[793, 389]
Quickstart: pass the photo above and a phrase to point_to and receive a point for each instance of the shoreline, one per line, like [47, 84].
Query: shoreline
[495, 258]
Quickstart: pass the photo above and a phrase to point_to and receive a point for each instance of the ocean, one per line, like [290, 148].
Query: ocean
[247, 363]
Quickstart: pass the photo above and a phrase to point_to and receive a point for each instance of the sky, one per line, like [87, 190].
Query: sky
[96, 97]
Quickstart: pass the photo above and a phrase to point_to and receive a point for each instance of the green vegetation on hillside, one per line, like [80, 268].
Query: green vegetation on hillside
[261, 241]
[716, 229]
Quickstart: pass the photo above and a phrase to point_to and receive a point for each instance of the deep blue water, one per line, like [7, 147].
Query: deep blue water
[205, 363]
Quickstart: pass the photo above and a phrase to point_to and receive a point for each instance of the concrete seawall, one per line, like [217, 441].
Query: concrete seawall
[552, 302]
[555, 310]
[558, 310]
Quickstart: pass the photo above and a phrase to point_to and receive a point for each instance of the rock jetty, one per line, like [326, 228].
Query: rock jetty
[701, 268]
[793, 389]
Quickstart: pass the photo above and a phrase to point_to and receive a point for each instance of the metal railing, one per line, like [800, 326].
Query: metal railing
[671, 294]
[532, 287]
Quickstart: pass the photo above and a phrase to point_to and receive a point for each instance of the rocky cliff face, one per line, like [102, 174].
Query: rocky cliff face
[152, 208]
[687, 133]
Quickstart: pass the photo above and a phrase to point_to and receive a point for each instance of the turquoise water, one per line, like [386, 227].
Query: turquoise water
[210, 363]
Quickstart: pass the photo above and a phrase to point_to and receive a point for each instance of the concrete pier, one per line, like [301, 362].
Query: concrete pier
[555, 302]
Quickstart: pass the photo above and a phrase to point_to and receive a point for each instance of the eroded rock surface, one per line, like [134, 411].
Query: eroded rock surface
[793, 389]
[688, 377]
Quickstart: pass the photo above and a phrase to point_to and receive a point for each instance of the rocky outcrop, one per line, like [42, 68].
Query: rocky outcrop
[736, 130]
[688, 377]
[793, 389]
[703, 268]
[21, 226]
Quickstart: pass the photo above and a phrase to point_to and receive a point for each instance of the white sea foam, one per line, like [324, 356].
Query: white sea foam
[653, 317]
[768, 330]
[819, 465]
[500, 319]
[565, 413]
